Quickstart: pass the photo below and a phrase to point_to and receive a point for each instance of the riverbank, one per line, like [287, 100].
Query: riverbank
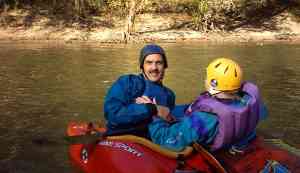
[169, 27]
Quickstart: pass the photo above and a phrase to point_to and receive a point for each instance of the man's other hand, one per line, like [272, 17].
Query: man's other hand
[164, 113]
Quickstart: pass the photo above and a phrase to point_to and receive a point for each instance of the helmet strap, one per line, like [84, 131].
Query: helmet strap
[227, 95]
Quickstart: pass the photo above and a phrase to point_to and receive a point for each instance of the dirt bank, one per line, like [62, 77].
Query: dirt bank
[149, 27]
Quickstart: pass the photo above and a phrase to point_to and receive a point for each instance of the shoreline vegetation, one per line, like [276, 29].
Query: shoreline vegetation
[136, 21]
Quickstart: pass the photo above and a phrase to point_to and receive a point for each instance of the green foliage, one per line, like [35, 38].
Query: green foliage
[172, 6]
[219, 14]
[77, 8]
[200, 14]
[118, 7]
[83, 8]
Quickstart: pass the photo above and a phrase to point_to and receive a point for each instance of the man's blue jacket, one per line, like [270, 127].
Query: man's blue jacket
[123, 115]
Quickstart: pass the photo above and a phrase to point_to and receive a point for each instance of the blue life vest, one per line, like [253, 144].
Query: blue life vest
[234, 122]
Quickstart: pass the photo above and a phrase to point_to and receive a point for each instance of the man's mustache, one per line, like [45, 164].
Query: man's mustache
[154, 71]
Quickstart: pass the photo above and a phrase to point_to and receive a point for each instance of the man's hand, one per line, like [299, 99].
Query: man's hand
[144, 100]
[164, 113]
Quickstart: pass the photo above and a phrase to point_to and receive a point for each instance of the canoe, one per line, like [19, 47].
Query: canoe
[129, 154]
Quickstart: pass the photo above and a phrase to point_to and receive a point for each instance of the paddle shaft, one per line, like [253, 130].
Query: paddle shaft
[210, 158]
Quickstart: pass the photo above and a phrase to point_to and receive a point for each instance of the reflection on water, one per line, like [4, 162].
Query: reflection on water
[43, 87]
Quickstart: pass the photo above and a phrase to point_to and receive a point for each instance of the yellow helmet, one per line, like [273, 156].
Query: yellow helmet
[223, 75]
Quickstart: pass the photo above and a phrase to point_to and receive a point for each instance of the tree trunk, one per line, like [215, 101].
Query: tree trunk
[129, 28]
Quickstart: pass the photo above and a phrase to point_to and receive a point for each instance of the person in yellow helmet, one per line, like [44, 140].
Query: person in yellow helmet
[223, 76]
[224, 116]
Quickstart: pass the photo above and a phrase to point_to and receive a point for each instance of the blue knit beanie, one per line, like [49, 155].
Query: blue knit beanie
[152, 49]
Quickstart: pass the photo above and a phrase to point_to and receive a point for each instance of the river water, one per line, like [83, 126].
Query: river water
[44, 86]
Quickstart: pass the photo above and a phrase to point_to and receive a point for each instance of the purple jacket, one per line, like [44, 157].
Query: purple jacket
[235, 122]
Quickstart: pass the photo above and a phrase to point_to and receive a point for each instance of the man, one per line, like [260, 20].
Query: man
[130, 103]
